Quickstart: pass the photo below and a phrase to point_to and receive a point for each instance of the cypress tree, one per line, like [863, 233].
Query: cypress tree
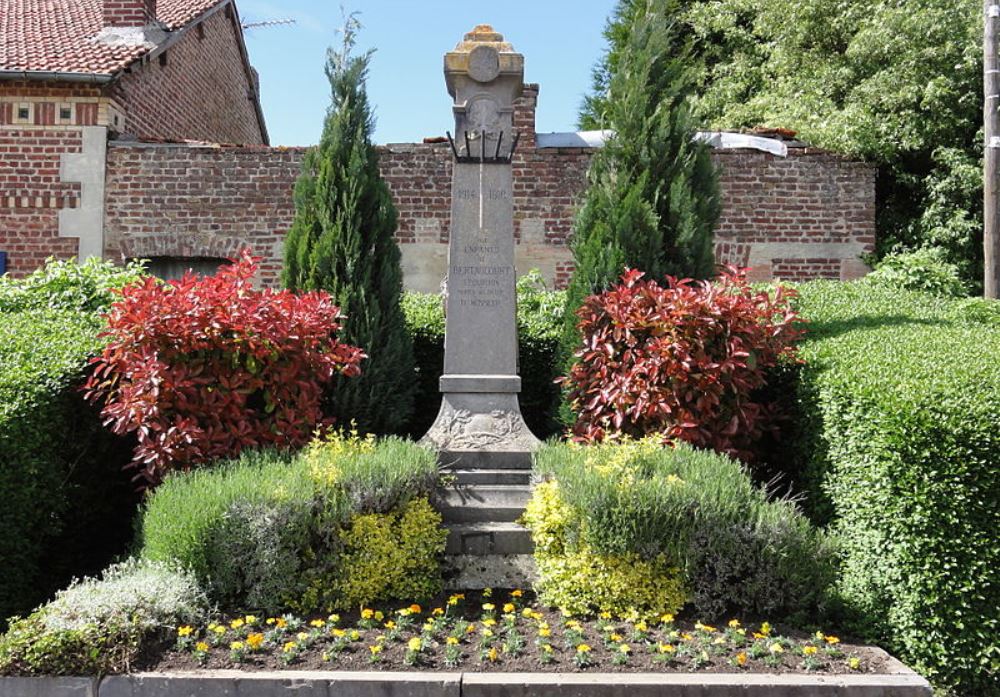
[652, 199]
[341, 241]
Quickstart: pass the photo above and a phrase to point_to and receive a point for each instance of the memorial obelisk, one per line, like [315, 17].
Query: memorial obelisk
[480, 422]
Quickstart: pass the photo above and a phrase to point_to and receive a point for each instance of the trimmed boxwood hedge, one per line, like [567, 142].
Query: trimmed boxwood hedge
[899, 411]
[539, 317]
[61, 482]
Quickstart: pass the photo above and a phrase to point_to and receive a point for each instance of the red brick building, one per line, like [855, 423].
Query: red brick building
[74, 73]
[100, 100]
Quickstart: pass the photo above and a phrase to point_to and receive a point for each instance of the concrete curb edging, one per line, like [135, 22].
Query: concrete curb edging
[896, 681]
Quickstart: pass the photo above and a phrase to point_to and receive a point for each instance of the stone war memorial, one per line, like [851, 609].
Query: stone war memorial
[479, 432]
[480, 423]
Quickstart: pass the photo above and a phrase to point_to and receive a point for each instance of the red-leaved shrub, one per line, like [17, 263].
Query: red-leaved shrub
[203, 367]
[681, 361]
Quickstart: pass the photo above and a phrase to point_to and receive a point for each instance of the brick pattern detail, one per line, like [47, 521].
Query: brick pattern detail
[202, 92]
[128, 13]
[32, 193]
[188, 201]
[809, 196]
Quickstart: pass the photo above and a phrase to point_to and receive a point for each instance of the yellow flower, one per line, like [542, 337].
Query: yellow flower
[624, 648]
[201, 647]
[367, 613]
[415, 609]
[437, 612]
[219, 629]
[317, 623]
[355, 635]
[765, 629]
[734, 624]
[719, 641]
[516, 593]
[667, 618]
[452, 641]
[487, 632]
[376, 649]
[492, 654]
[854, 663]
[289, 646]
[547, 648]
[509, 607]
[489, 623]
[237, 623]
[335, 619]
[236, 645]
[413, 644]
[281, 623]
[185, 630]
[573, 624]
[470, 629]
[831, 640]
[255, 640]
[302, 636]
[544, 631]
[390, 624]
[379, 615]
[453, 601]
[642, 626]
[615, 637]
[605, 615]
[429, 627]
[666, 648]
[583, 648]
[741, 658]
[250, 619]
[270, 621]
[704, 627]
[809, 650]
[489, 607]
[686, 637]
[776, 648]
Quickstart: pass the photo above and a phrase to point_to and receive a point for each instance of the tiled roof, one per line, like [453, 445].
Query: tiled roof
[58, 35]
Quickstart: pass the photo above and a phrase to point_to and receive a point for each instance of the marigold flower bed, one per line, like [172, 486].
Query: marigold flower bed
[505, 631]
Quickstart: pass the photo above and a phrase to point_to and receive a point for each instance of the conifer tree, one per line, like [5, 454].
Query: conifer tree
[652, 199]
[341, 241]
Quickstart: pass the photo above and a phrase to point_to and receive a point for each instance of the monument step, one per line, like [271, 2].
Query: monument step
[475, 504]
[471, 572]
[490, 477]
[481, 539]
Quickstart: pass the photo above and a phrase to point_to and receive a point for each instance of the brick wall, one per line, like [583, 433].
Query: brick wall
[199, 201]
[31, 190]
[805, 216]
[197, 89]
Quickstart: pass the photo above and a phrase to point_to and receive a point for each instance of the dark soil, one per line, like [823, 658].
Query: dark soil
[517, 642]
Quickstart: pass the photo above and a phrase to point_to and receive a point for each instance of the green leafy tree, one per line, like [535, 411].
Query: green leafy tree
[896, 83]
[341, 241]
[652, 199]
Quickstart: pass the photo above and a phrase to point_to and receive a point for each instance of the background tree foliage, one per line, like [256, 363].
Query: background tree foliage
[341, 241]
[896, 83]
[652, 198]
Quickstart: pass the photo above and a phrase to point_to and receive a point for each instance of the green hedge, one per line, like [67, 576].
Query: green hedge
[539, 318]
[900, 413]
[61, 482]
[66, 502]
[344, 522]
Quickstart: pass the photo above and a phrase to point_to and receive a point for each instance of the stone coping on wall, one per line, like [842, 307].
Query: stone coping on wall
[896, 681]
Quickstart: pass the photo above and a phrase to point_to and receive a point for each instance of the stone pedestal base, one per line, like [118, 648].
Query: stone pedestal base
[481, 430]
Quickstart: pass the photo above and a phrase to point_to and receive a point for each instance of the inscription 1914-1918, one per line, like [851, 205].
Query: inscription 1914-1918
[488, 195]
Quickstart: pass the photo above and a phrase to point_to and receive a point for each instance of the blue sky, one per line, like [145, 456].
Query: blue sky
[560, 39]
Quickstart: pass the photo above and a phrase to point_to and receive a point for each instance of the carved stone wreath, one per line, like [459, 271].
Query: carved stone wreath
[468, 431]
